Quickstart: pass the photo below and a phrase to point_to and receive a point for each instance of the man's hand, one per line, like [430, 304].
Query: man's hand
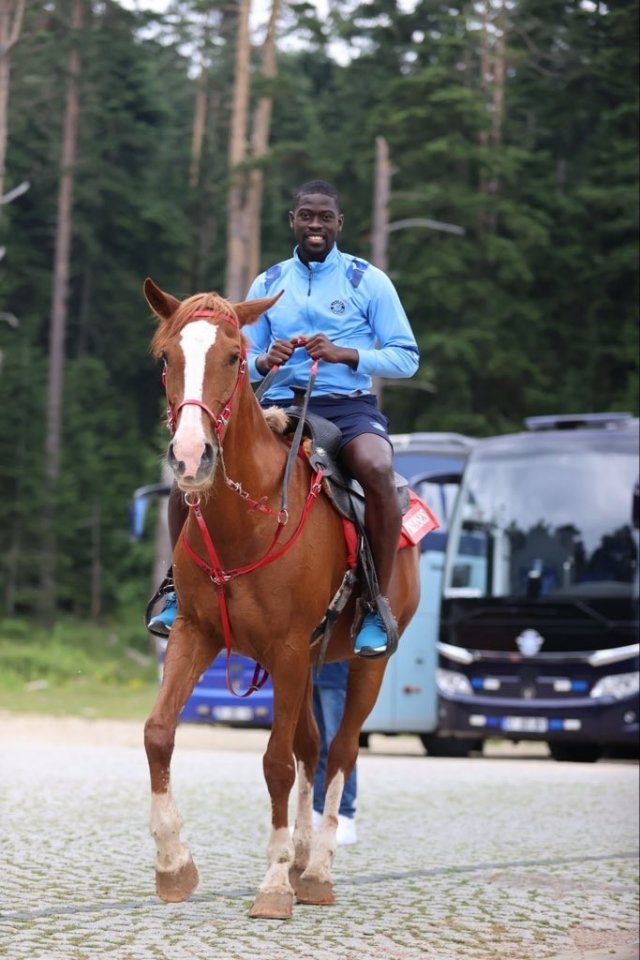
[279, 353]
[319, 347]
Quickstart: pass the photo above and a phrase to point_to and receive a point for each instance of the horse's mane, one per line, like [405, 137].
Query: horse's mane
[168, 328]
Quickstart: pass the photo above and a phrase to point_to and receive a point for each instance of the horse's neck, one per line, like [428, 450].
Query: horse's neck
[254, 458]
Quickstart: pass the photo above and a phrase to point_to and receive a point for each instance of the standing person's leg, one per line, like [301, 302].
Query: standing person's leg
[328, 706]
[318, 782]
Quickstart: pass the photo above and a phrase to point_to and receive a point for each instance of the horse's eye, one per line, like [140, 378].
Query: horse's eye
[233, 359]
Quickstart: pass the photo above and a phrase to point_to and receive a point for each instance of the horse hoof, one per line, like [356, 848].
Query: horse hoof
[272, 906]
[317, 892]
[177, 886]
[295, 874]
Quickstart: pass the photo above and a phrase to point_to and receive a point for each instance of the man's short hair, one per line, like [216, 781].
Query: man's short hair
[316, 186]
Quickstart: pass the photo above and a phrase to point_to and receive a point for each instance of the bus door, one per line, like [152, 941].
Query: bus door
[408, 698]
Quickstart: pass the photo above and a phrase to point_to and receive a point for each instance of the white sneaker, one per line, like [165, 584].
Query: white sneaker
[346, 833]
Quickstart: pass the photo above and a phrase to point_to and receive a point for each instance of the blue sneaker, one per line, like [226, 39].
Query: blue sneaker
[162, 622]
[372, 637]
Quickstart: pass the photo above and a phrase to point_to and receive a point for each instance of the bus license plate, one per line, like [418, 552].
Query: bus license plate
[525, 724]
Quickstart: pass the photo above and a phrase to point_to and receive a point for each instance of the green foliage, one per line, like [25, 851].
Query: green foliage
[73, 653]
[533, 310]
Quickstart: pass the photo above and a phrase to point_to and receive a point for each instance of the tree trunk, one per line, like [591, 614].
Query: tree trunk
[381, 197]
[493, 71]
[163, 549]
[11, 13]
[236, 226]
[59, 310]
[197, 136]
[499, 72]
[260, 143]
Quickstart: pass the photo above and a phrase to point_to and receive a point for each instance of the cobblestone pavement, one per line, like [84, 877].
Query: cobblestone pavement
[503, 858]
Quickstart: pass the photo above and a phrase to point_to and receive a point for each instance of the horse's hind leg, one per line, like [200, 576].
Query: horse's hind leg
[187, 656]
[365, 678]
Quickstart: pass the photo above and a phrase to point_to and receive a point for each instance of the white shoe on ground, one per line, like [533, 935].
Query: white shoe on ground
[346, 833]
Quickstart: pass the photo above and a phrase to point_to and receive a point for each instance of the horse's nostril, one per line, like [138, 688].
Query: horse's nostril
[207, 456]
[176, 465]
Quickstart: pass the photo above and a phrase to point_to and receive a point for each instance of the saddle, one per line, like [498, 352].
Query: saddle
[347, 497]
[344, 491]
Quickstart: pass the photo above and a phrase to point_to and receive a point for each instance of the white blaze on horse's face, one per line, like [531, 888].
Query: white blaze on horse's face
[191, 455]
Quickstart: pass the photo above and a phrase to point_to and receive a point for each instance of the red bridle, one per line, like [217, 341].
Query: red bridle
[220, 420]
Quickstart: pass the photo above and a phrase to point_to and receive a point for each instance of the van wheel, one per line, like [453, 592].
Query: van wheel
[449, 746]
[572, 752]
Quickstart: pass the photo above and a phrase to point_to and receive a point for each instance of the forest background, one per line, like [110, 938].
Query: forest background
[168, 145]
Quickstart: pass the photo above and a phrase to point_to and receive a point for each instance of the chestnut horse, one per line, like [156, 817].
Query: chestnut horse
[257, 577]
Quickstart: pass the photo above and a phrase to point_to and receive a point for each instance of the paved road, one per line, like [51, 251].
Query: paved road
[504, 858]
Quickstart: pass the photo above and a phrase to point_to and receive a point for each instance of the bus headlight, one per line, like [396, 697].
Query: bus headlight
[617, 685]
[452, 684]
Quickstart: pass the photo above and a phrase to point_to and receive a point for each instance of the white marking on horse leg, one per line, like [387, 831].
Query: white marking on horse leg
[303, 832]
[323, 848]
[166, 823]
[279, 860]
[304, 821]
[188, 443]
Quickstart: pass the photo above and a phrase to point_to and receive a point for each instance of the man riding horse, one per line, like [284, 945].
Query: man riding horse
[343, 314]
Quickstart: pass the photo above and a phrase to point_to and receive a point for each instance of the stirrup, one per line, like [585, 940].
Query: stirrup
[376, 631]
[160, 624]
[167, 586]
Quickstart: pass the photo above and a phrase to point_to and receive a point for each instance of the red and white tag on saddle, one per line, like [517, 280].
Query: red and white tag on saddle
[418, 521]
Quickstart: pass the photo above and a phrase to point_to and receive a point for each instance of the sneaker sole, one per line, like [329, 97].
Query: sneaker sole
[370, 653]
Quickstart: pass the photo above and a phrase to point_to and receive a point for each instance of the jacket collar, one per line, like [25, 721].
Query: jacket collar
[318, 266]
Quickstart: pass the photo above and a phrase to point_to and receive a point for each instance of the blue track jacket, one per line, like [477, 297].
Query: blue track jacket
[349, 300]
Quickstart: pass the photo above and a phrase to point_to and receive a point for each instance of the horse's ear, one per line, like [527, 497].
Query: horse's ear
[250, 310]
[162, 304]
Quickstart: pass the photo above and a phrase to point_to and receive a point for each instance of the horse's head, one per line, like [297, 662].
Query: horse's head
[201, 344]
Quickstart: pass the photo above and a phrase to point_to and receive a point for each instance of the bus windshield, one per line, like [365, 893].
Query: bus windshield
[546, 522]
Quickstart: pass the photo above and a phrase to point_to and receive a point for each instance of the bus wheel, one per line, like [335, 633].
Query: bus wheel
[449, 746]
[572, 752]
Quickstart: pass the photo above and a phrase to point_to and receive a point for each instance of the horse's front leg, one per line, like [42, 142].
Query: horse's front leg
[306, 746]
[274, 899]
[187, 656]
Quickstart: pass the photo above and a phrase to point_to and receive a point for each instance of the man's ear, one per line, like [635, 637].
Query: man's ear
[291, 219]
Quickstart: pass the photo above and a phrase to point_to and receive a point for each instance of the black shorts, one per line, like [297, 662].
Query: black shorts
[352, 415]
